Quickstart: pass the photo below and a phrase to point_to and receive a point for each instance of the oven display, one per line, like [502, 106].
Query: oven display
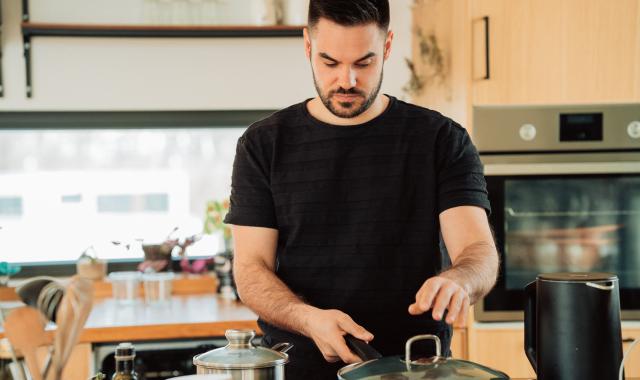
[581, 127]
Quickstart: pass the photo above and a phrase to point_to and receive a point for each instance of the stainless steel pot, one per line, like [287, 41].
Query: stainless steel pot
[244, 361]
[376, 367]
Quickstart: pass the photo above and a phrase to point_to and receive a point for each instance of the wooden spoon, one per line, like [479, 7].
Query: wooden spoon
[24, 328]
[72, 314]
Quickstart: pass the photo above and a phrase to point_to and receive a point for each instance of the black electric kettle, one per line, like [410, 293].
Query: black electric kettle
[572, 326]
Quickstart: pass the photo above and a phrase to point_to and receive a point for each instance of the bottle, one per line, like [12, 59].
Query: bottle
[125, 355]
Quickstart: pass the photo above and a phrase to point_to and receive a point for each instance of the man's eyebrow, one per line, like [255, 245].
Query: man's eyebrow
[328, 57]
[367, 56]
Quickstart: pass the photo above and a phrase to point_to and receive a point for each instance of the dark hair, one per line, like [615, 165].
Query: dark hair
[350, 12]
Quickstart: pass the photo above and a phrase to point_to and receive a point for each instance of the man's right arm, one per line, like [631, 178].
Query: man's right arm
[262, 291]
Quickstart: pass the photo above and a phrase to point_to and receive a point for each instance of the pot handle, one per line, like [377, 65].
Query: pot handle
[282, 347]
[407, 346]
[530, 324]
[361, 348]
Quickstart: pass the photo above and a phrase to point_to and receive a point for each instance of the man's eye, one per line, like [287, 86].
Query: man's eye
[330, 64]
[362, 64]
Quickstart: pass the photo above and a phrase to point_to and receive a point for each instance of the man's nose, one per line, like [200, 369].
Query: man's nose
[347, 78]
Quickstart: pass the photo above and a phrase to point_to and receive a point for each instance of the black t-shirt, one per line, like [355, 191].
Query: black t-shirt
[357, 209]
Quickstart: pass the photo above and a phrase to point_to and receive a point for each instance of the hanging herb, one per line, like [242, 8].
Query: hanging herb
[433, 68]
[416, 83]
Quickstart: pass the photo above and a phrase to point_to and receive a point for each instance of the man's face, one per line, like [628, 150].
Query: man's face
[347, 64]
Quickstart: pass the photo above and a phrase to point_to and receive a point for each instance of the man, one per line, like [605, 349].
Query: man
[338, 204]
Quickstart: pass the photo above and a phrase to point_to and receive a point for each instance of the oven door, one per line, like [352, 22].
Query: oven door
[563, 213]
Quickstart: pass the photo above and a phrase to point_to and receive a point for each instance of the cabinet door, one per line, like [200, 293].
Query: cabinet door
[459, 343]
[501, 349]
[632, 367]
[555, 51]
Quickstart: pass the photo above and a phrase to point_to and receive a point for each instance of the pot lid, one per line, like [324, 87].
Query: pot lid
[577, 276]
[240, 353]
[395, 368]
[437, 367]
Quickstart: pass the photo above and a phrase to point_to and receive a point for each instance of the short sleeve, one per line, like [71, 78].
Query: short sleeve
[251, 197]
[460, 174]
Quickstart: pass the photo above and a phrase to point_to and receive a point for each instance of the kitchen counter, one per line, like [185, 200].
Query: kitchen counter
[184, 316]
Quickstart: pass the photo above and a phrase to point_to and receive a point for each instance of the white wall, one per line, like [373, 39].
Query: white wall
[163, 73]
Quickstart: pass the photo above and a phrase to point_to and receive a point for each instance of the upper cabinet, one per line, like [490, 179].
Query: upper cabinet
[500, 52]
[555, 51]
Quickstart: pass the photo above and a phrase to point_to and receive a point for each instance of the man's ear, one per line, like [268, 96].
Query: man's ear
[307, 42]
[387, 44]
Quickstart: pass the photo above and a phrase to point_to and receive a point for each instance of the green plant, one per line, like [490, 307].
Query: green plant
[216, 211]
[416, 82]
[89, 254]
[7, 270]
[432, 67]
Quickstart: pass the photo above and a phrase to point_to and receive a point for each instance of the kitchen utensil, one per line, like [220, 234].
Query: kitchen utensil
[25, 329]
[125, 286]
[72, 315]
[242, 360]
[49, 299]
[157, 286]
[376, 367]
[42, 293]
[572, 326]
[30, 290]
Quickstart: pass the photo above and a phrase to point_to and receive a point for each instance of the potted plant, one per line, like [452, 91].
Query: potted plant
[215, 214]
[223, 262]
[90, 266]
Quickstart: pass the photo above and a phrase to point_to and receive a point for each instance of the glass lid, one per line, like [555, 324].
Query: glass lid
[437, 367]
[241, 353]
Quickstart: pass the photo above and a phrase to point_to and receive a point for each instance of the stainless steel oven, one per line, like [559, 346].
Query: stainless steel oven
[564, 186]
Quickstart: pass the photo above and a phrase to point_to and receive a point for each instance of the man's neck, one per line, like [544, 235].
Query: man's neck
[318, 110]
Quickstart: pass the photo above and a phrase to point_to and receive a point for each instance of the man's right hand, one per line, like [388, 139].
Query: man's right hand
[327, 329]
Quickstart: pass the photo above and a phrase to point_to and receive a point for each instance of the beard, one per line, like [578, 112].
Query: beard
[348, 109]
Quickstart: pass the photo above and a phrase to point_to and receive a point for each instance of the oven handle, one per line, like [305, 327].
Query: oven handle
[562, 168]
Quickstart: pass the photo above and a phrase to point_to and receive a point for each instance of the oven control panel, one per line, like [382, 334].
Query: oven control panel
[633, 129]
[556, 128]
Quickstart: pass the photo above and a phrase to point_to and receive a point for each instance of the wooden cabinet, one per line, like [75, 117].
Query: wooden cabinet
[79, 366]
[550, 51]
[632, 367]
[501, 346]
[459, 343]
[539, 52]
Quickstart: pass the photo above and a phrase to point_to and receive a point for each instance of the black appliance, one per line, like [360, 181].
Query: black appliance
[564, 186]
[572, 326]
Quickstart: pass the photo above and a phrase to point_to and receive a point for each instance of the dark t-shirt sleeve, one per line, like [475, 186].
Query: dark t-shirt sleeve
[251, 197]
[461, 180]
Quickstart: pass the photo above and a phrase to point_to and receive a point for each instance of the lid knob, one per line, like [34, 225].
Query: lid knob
[240, 338]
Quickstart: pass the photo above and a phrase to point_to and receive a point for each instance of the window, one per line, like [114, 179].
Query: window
[10, 207]
[65, 189]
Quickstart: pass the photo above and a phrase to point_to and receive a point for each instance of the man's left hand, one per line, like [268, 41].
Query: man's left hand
[439, 294]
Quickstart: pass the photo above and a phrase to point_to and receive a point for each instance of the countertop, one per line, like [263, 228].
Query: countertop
[184, 316]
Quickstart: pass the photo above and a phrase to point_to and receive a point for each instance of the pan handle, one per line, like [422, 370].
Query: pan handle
[361, 348]
[282, 347]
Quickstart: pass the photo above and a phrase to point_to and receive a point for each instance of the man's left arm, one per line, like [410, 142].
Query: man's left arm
[475, 262]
